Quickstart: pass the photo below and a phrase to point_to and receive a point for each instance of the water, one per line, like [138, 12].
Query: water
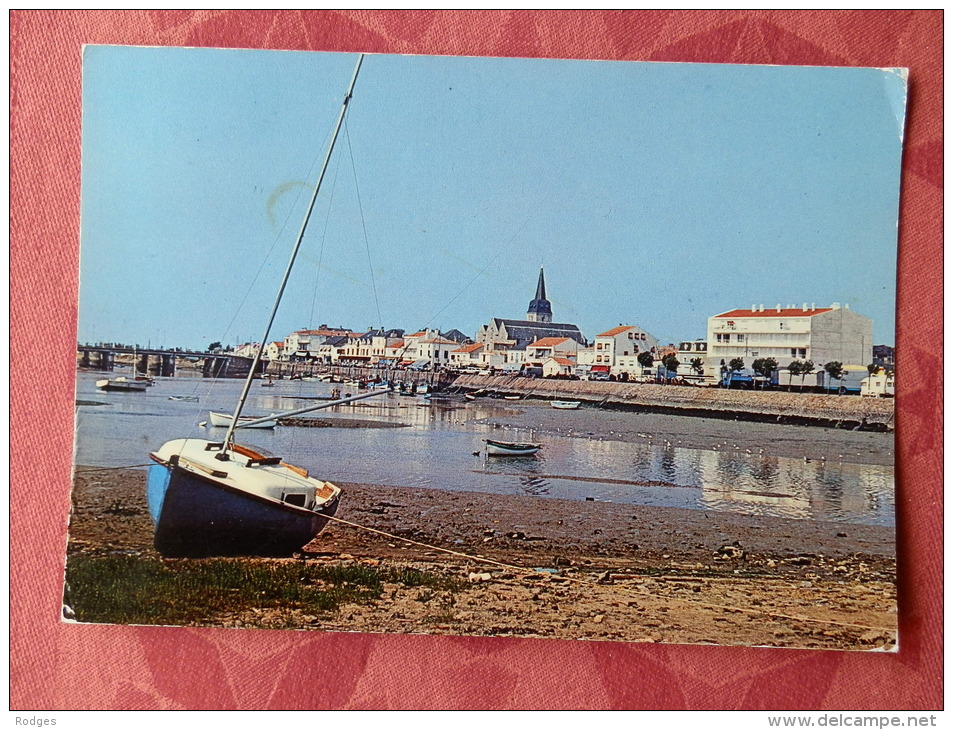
[436, 450]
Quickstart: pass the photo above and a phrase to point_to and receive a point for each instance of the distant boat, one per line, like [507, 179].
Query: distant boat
[510, 448]
[123, 384]
[565, 405]
[187, 398]
[221, 498]
[224, 420]
[135, 384]
[511, 397]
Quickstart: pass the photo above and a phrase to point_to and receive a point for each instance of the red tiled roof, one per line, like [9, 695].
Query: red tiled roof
[470, 348]
[548, 342]
[616, 331]
[563, 361]
[773, 312]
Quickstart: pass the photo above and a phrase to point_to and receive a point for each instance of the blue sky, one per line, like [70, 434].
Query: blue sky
[653, 194]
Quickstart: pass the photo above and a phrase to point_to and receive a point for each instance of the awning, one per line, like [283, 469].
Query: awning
[420, 365]
[599, 369]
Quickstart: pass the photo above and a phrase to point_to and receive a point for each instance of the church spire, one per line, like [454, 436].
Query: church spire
[540, 310]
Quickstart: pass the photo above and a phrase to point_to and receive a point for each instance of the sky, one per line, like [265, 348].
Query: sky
[653, 194]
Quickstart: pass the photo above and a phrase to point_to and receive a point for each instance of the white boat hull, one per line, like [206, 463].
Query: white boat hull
[510, 448]
[565, 405]
[123, 384]
[224, 420]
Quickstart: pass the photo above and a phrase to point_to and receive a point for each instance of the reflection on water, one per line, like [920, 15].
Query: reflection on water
[441, 447]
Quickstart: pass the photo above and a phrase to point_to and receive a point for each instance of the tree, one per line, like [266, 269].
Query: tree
[735, 365]
[215, 347]
[835, 369]
[671, 364]
[765, 367]
[807, 367]
[698, 365]
[794, 369]
[873, 369]
[646, 359]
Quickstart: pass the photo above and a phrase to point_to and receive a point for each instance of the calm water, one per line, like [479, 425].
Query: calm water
[437, 451]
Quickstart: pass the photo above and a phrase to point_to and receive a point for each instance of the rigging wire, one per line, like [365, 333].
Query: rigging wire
[360, 207]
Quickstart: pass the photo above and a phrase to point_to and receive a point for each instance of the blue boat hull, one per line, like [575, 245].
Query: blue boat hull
[198, 517]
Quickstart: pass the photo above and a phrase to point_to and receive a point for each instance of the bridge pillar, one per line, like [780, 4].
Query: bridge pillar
[167, 366]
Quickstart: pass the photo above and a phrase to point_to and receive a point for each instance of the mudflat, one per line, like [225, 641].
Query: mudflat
[542, 567]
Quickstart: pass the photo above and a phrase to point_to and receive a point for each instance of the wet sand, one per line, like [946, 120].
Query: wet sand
[807, 442]
[566, 569]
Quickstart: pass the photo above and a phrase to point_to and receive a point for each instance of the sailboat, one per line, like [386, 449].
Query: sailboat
[221, 498]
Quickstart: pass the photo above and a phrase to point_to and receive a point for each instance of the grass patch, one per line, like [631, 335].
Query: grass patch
[130, 589]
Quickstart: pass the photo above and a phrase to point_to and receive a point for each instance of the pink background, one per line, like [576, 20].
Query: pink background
[60, 666]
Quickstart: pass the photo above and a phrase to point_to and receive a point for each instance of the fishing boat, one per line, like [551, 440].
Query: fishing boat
[565, 405]
[135, 384]
[123, 384]
[511, 397]
[221, 498]
[186, 398]
[510, 448]
[224, 420]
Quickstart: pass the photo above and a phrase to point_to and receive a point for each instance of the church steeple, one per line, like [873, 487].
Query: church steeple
[540, 310]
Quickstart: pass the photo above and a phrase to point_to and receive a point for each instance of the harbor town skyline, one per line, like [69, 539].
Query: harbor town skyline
[653, 194]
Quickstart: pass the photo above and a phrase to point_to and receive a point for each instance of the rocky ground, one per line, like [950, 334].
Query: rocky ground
[566, 569]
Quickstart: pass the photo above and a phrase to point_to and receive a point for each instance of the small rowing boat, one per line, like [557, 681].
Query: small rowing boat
[510, 448]
[565, 405]
[224, 420]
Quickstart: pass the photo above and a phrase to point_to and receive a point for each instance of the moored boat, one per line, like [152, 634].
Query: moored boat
[221, 498]
[123, 384]
[511, 448]
[565, 405]
[224, 420]
[248, 503]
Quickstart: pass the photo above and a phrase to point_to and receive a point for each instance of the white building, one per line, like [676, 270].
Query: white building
[305, 344]
[819, 334]
[274, 351]
[467, 356]
[617, 350]
[540, 350]
[557, 367]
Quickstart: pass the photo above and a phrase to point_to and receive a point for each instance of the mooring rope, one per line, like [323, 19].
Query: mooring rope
[590, 584]
[84, 470]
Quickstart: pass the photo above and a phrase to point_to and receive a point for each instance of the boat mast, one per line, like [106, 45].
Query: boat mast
[294, 253]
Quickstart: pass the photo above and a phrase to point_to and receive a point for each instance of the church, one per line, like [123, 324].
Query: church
[509, 338]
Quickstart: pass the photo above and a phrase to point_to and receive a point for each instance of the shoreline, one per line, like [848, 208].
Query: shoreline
[563, 569]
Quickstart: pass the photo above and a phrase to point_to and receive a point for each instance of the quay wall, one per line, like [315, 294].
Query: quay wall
[849, 411]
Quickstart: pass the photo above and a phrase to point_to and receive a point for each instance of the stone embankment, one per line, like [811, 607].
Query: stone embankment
[845, 411]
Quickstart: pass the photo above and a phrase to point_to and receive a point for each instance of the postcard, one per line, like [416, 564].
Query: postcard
[487, 347]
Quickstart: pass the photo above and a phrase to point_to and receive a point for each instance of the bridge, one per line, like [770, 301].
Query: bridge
[162, 362]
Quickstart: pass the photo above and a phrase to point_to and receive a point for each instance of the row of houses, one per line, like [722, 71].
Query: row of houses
[538, 345]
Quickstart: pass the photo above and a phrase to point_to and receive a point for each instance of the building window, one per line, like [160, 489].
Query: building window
[740, 338]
